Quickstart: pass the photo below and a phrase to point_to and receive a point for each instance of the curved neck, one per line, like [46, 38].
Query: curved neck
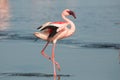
[72, 25]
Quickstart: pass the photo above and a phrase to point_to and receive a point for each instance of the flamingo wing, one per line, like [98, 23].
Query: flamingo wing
[43, 26]
[61, 25]
[52, 28]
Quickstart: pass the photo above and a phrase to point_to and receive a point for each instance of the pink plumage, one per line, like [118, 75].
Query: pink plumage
[53, 31]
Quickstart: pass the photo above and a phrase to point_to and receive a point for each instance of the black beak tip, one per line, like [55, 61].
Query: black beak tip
[72, 13]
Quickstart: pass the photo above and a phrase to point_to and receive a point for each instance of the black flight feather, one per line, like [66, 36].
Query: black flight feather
[53, 30]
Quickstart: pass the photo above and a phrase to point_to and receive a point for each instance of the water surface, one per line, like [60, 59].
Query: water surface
[91, 53]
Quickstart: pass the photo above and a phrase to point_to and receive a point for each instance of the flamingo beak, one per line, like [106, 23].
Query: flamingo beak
[72, 13]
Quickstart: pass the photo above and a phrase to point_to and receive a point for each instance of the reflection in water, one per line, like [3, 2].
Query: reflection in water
[28, 36]
[4, 14]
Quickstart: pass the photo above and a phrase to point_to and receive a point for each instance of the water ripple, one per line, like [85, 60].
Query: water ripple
[32, 74]
[13, 35]
[79, 44]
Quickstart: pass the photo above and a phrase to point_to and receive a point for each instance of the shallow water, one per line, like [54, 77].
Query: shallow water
[92, 53]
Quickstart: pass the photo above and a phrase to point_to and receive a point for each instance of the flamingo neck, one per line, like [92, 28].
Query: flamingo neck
[72, 25]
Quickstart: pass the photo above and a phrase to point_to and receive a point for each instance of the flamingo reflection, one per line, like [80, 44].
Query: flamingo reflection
[4, 14]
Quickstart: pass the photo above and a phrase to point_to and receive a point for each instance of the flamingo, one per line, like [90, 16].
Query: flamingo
[54, 31]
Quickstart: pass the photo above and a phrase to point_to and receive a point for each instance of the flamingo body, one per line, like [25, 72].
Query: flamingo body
[53, 31]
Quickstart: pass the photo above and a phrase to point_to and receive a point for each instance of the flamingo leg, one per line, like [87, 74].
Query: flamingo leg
[48, 57]
[53, 60]
[43, 53]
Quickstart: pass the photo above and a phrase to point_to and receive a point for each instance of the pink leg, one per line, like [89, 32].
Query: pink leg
[43, 53]
[53, 60]
[49, 58]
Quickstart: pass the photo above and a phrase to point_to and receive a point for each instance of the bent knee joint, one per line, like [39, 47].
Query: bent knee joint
[42, 52]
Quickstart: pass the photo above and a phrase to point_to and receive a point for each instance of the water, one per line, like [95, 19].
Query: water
[92, 53]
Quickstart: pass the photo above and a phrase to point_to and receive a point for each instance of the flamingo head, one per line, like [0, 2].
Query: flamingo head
[68, 12]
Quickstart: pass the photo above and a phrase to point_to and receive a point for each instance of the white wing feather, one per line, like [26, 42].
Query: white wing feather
[44, 25]
[60, 26]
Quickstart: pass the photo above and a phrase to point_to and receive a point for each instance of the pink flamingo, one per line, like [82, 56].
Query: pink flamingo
[53, 31]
